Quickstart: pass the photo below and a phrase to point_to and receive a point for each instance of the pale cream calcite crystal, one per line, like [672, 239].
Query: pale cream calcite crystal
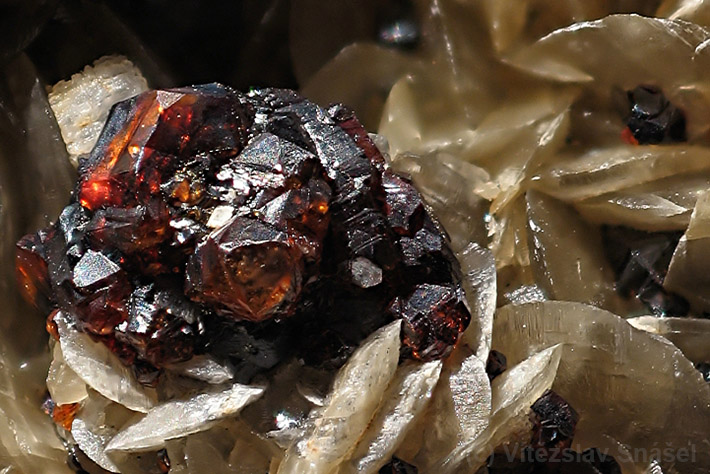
[513, 392]
[687, 274]
[101, 370]
[567, 257]
[82, 103]
[690, 335]
[179, 418]
[356, 394]
[633, 391]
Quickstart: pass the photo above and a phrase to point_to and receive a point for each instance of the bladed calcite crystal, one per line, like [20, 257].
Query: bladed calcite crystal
[246, 226]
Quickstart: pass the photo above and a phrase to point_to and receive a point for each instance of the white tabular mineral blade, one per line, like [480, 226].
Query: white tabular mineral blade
[664, 204]
[204, 368]
[479, 269]
[357, 392]
[690, 335]
[567, 254]
[526, 381]
[98, 421]
[92, 444]
[514, 392]
[687, 273]
[405, 399]
[101, 369]
[471, 394]
[64, 385]
[81, 104]
[612, 169]
[644, 211]
[179, 418]
[459, 411]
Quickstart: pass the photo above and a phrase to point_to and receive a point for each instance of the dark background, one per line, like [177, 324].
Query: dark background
[242, 43]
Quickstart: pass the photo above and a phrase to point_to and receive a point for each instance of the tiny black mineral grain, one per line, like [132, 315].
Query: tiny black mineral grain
[640, 260]
[652, 118]
[397, 466]
[496, 364]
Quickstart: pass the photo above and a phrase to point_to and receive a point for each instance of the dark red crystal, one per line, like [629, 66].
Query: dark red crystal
[554, 423]
[250, 227]
[433, 316]
[163, 461]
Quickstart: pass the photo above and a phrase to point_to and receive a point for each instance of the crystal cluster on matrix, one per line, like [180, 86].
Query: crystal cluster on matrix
[251, 227]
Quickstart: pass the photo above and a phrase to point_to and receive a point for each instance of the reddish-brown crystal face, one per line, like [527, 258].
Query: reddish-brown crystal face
[64, 415]
[248, 227]
[247, 270]
[31, 268]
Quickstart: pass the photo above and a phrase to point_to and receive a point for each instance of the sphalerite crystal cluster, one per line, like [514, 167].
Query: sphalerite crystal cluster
[248, 227]
[562, 145]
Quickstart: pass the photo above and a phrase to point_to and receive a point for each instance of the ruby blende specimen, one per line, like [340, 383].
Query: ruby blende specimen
[251, 227]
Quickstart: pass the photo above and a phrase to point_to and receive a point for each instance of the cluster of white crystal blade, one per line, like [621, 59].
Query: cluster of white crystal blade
[28, 441]
[357, 392]
[458, 413]
[100, 369]
[513, 393]
[99, 421]
[82, 103]
[404, 401]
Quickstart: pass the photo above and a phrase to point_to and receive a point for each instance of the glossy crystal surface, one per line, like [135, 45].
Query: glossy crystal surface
[204, 219]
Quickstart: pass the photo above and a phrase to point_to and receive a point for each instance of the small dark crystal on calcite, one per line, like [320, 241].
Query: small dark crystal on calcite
[640, 260]
[652, 118]
[496, 364]
[251, 227]
[397, 466]
[549, 451]
[163, 461]
[704, 369]
[554, 422]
